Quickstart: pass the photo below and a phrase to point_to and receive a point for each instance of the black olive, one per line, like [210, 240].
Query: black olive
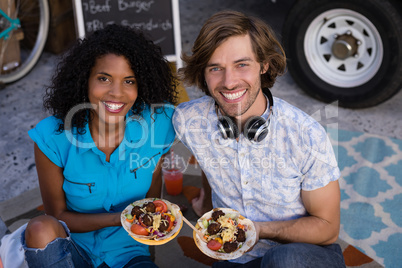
[147, 220]
[241, 235]
[216, 214]
[150, 207]
[230, 246]
[214, 228]
[136, 211]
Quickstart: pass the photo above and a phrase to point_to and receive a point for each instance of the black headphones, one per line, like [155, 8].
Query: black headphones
[255, 129]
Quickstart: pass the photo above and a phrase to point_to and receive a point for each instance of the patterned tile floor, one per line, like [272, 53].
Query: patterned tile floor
[371, 192]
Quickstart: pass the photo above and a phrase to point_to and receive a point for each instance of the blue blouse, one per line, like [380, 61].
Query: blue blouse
[93, 185]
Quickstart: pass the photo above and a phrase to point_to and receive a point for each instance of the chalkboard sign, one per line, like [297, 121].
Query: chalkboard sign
[159, 19]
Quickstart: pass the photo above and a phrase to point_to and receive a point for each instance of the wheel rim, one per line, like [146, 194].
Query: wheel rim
[343, 48]
[30, 56]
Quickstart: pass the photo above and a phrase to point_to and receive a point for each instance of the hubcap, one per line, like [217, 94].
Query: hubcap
[343, 48]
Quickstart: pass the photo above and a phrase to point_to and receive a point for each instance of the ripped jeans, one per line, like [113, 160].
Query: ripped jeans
[64, 253]
[60, 253]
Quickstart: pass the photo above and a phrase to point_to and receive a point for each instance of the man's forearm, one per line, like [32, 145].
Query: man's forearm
[308, 229]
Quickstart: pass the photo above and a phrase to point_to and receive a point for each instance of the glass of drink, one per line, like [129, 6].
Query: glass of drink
[172, 172]
[173, 179]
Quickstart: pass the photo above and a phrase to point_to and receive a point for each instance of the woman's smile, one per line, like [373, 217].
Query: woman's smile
[113, 107]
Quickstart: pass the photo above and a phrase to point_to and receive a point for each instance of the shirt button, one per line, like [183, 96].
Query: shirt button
[246, 182]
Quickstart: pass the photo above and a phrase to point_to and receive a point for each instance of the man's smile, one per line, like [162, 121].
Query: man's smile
[234, 95]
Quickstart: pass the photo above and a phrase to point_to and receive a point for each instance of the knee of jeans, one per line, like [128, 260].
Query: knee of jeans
[42, 230]
[49, 257]
[335, 247]
[283, 256]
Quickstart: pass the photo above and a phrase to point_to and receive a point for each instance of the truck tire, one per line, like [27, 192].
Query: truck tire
[345, 50]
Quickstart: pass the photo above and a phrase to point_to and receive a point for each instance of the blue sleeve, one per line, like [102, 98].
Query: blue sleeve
[179, 124]
[45, 136]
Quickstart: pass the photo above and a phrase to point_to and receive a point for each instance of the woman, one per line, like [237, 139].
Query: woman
[110, 125]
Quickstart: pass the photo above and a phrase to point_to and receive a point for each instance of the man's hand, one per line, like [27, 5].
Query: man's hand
[257, 230]
[257, 234]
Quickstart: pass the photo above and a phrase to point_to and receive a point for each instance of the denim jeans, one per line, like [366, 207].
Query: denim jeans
[294, 255]
[61, 252]
[64, 253]
[137, 262]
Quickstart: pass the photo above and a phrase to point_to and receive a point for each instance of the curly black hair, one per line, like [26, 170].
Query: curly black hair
[69, 85]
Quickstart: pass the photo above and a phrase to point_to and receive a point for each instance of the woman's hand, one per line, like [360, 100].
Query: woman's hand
[198, 204]
[203, 203]
[117, 220]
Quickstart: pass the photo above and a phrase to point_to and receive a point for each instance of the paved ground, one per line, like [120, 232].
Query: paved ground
[21, 102]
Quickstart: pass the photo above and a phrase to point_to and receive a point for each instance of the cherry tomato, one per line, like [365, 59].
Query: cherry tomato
[138, 229]
[214, 245]
[160, 206]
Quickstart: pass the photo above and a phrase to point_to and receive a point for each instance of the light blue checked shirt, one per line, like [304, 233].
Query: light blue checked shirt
[263, 181]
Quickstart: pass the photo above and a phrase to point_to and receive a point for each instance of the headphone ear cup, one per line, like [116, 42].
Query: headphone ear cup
[255, 129]
[228, 128]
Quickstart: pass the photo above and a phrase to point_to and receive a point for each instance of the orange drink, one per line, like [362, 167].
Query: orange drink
[173, 179]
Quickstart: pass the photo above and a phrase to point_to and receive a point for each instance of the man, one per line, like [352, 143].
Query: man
[259, 155]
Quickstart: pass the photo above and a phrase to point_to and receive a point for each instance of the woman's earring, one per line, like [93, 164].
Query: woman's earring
[143, 103]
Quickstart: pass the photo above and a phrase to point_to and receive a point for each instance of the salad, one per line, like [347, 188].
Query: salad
[152, 221]
[223, 232]
[227, 234]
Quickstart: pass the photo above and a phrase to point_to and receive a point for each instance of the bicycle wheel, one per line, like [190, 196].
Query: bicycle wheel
[27, 42]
